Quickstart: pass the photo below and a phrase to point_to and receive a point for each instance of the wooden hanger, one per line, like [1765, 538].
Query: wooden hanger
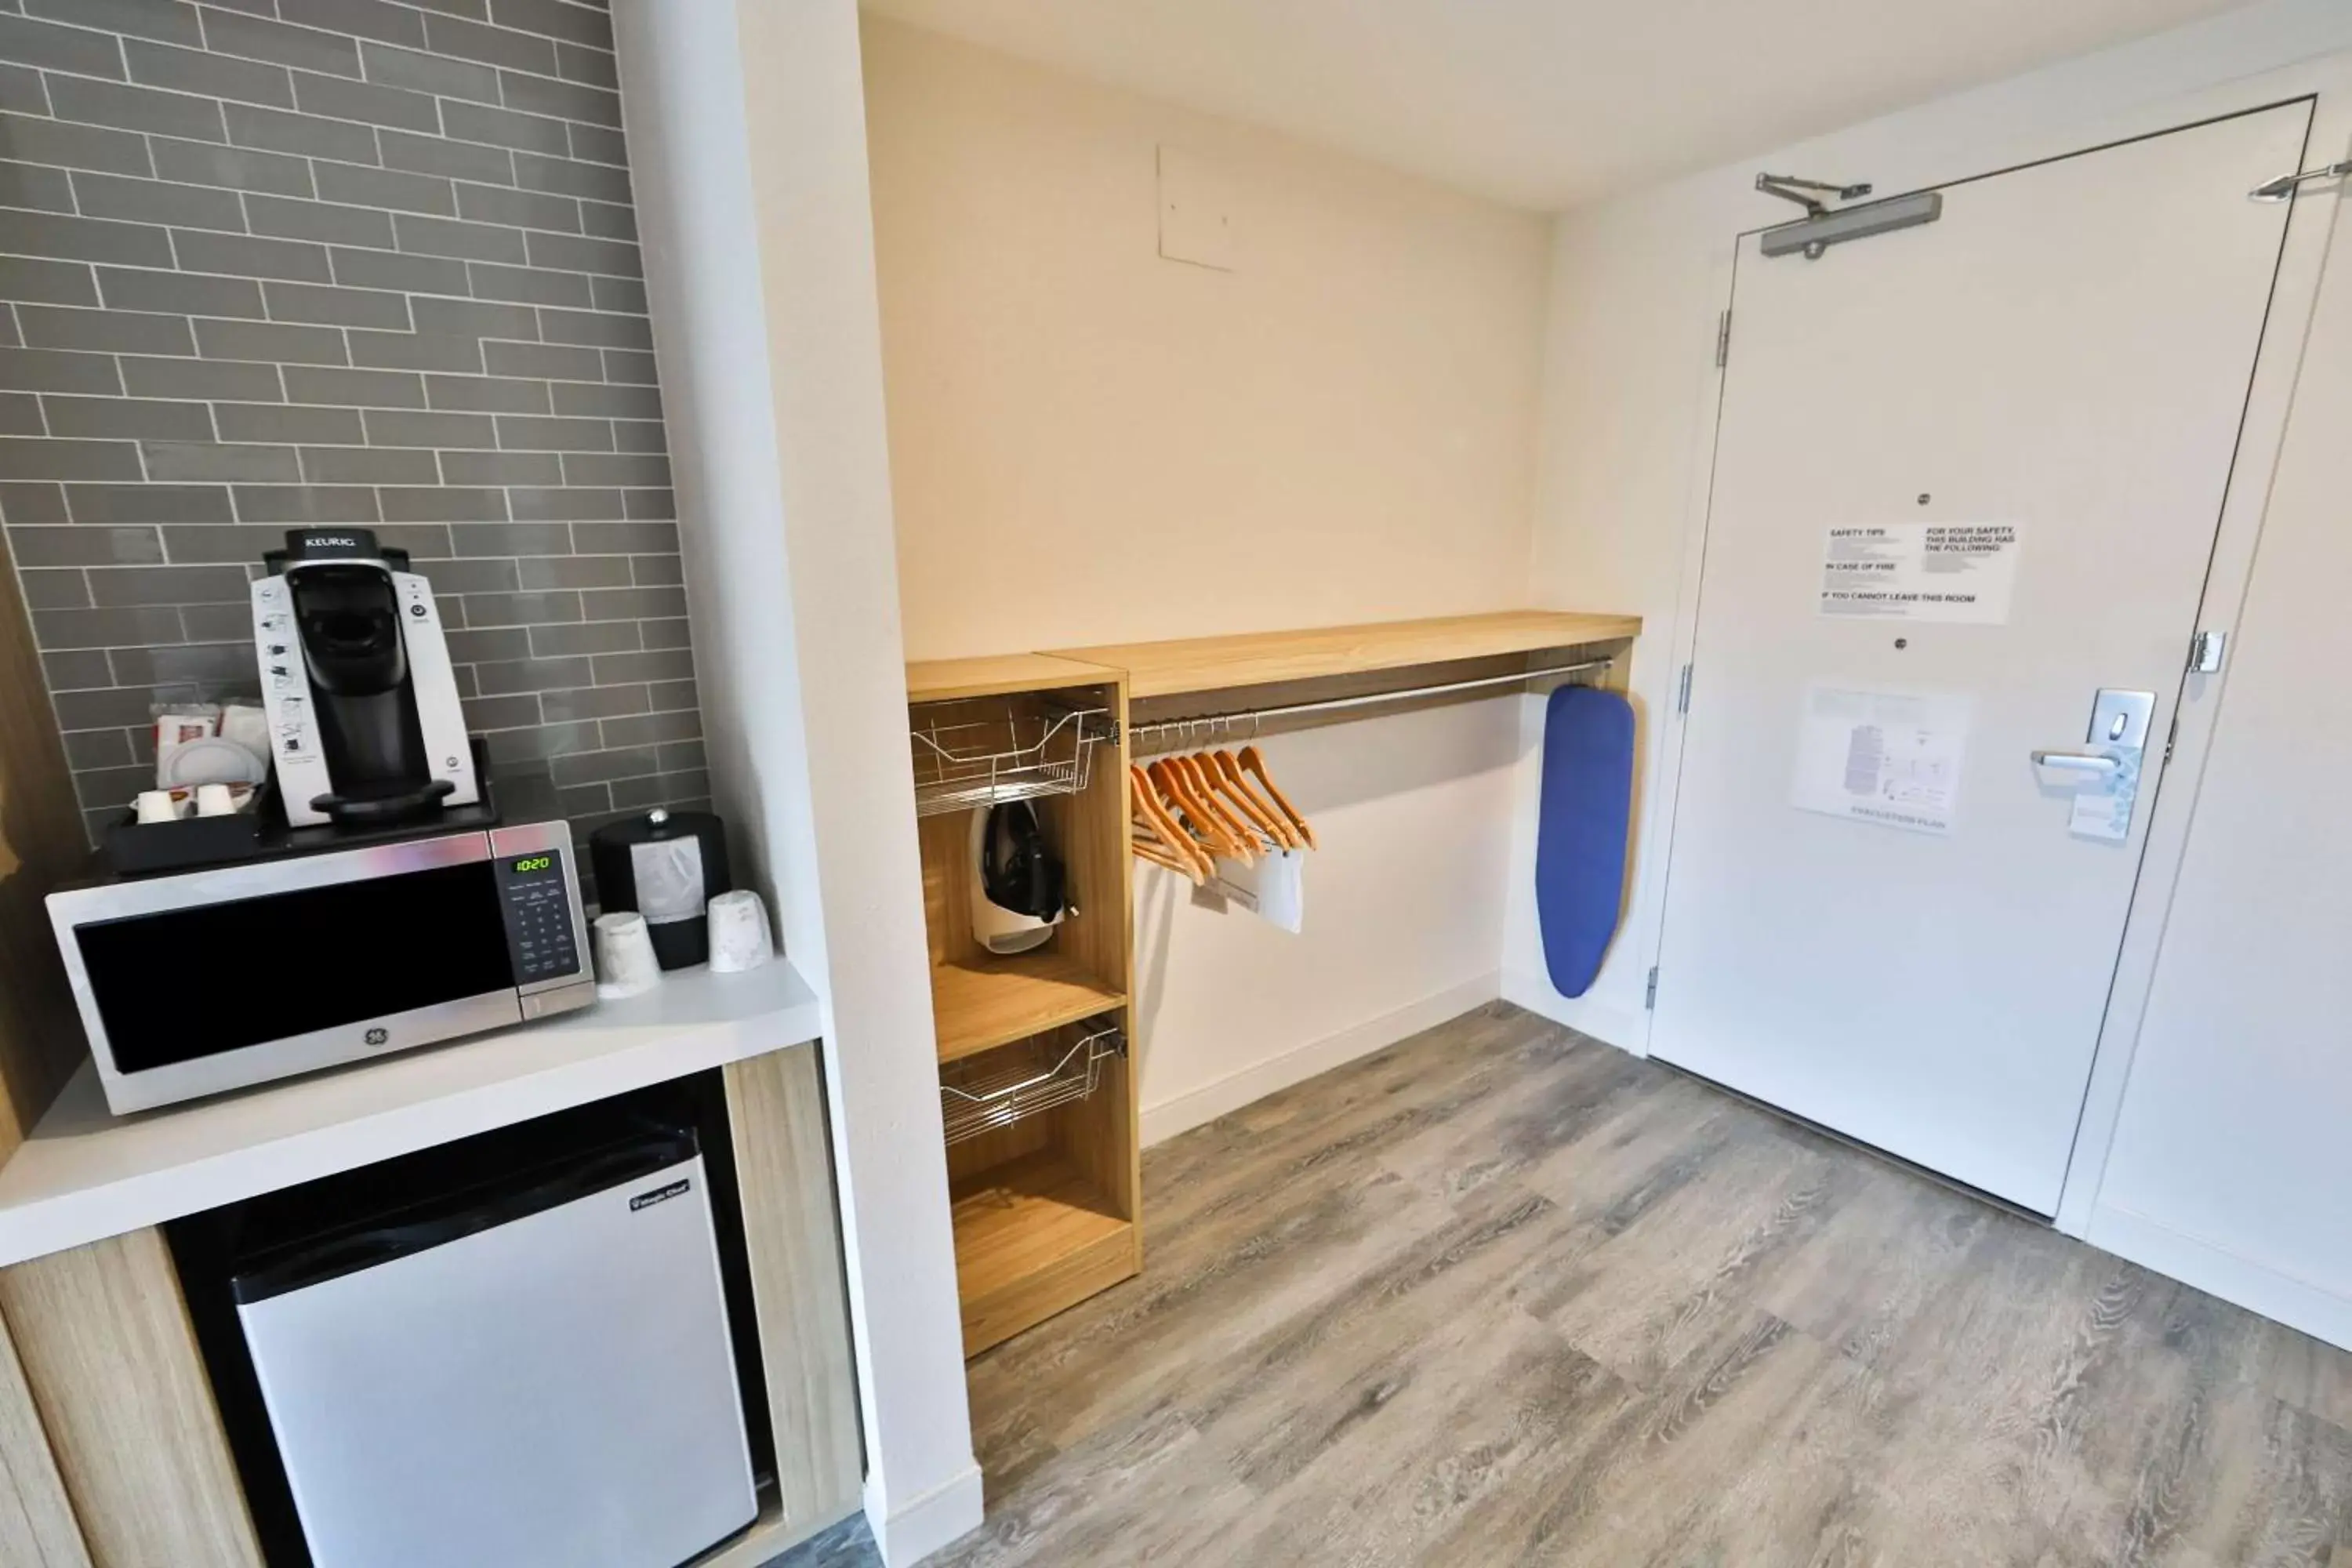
[1237, 827]
[1149, 849]
[1168, 845]
[1228, 774]
[1203, 822]
[1255, 762]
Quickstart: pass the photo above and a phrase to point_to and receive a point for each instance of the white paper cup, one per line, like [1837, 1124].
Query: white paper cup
[215, 800]
[156, 806]
[739, 932]
[624, 956]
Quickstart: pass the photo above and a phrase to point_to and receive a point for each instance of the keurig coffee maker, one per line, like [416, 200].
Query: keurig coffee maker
[364, 724]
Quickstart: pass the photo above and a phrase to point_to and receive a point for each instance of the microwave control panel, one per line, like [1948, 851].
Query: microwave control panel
[537, 898]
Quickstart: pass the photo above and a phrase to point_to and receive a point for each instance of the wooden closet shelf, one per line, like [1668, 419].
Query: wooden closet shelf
[1261, 658]
[998, 674]
[1033, 1236]
[982, 1003]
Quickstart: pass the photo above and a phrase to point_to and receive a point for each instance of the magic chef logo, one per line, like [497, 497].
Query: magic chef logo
[660, 1195]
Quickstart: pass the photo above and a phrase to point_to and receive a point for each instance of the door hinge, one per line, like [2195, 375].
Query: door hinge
[1723, 340]
[1650, 1002]
[1682, 692]
[2206, 652]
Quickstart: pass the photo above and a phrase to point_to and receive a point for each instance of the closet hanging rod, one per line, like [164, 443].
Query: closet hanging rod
[1334, 704]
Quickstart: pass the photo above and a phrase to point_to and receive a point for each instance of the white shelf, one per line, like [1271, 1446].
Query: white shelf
[84, 1175]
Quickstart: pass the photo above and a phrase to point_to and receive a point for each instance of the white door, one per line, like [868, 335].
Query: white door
[1880, 913]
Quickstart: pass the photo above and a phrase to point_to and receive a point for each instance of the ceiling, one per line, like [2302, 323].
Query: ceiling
[1547, 103]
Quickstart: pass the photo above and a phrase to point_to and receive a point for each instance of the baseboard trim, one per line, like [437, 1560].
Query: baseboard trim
[1197, 1107]
[946, 1513]
[2278, 1297]
[1627, 1030]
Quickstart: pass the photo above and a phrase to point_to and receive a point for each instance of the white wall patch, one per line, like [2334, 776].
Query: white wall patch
[1196, 211]
[1884, 757]
[1961, 572]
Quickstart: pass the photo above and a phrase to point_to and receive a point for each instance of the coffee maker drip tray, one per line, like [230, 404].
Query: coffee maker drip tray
[384, 805]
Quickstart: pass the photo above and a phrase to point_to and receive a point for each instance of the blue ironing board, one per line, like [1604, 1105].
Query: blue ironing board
[1585, 814]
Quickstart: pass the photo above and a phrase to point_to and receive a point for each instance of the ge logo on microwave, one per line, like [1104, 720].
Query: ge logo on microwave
[378, 1036]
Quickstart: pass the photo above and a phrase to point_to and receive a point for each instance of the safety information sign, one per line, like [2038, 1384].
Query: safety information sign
[1885, 757]
[1961, 572]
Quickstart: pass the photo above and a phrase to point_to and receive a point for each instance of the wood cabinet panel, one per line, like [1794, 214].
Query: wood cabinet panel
[37, 1529]
[111, 1359]
[776, 1103]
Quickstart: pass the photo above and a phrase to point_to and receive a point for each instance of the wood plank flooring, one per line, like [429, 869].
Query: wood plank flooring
[1500, 1295]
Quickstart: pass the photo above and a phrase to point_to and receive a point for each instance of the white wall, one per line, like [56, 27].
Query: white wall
[1637, 284]
[1625, 451]
[748, 149]
[1092, 444]
[2228, 1165]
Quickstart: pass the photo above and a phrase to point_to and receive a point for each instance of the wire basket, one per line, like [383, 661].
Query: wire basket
[999, 1088]
[1018, 752]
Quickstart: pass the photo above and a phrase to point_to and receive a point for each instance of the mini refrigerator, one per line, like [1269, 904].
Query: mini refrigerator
[536, 1374]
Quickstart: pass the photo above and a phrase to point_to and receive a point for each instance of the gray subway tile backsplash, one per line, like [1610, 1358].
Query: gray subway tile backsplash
[53, 142]
[337, 262]
[325, 305]
[44, 370]
[260, 38]
[420, 72]
[505, 128]
[438, 155]
[40, 43]
[493, 394]
[492, 46]
[193, 70]
[127, 108]
[599, 145]
[288, 424]
[561, 175]
[233, 168]
[87, 239]
[356, 269]
[129, 289]
[164, 20]
[507, 468]
[104, 332]
[127, 418]
[296, 260]
[311, 135]
[393, 106]
[135, 200]
[363, 18]
[358, 185]
[47, 282]
[560, 100]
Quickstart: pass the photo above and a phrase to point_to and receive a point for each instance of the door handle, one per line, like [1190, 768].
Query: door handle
[2085, 762]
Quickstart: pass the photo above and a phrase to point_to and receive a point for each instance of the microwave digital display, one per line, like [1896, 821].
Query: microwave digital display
[539, 915]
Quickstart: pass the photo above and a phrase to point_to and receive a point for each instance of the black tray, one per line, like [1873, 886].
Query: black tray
[135, 848]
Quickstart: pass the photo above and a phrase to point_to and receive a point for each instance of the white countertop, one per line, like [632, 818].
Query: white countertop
[84, 1174]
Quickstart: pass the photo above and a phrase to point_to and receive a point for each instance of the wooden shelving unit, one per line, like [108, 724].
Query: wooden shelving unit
[980, 1004]
[1045, 1206]
[1033, 1230]
[1266, 659]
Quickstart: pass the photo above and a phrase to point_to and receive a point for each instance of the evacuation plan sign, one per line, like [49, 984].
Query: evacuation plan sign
[1961, 572]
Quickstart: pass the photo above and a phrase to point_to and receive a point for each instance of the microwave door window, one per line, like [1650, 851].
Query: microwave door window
[195, 983]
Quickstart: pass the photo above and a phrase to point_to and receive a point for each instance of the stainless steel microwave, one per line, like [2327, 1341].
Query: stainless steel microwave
[213, 980]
